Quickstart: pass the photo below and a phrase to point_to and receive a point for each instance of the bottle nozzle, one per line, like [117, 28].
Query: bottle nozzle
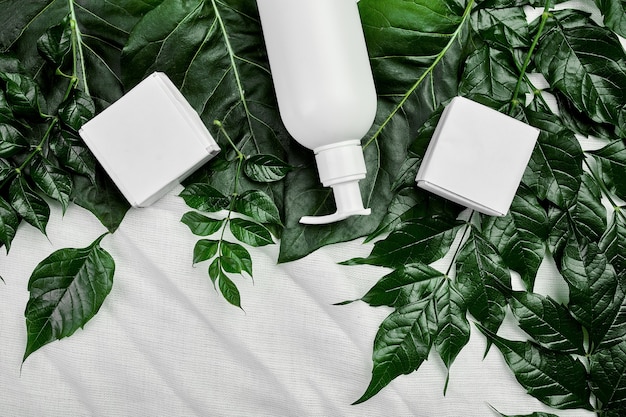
[341, 166]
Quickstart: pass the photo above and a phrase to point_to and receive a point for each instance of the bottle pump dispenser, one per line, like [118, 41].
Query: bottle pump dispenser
[325, 89]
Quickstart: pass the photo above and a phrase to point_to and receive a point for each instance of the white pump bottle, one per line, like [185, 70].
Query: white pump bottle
[325, 89]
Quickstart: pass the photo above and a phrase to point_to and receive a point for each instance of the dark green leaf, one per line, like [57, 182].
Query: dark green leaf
[11, 141]
[613, 158]
[418, 241]
[66, 290]
[201, 225]
[54, 182]
[556, 379]
[614, 12]
[22, 94]
[229, 290]
[403, 342]
[77, 110]
[548, 322]
[204, 250]
[608, 379]
[505, 26]
[613, 242]
[587, 65]
[6, 114]
[238, 254]
[490, 72]
[536, 414]
[266, 168]
[56, 42]
[8, 224]
[74, 155]
[5, 169]
[28, 204]
[203, 197]
[555, 167]
[453, 331]
[595, 292]
[404, 285]
[252, 233]
[102, 198]
[259, 206]
[520, 235]
[483, 280]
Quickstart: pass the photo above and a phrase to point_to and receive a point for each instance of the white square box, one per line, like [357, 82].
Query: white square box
[149, 140]
[477, 157]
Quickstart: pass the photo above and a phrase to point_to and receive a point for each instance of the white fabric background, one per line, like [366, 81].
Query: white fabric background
[166, 344]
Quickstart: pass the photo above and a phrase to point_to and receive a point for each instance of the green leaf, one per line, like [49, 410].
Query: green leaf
[554, 378]
[418, 241]
[595, 292]
[77, 110]
[238, 254]
[56, 42]
[587, 65]
[229, 290]
[204, 250]
[5, 169]
[490, 72]
[505, 26]
[613, 242]
[11, 141]
[53, 181]
[28, 204]
[73, 154]
[614, 12]
[66, 290]
[548, 322]
[203, 197]
[101, 198]
[613, 159]
[8, 224]
[201, 225]
[259, 206]
[266, 168]
[520, 235]
[402, 343]
[6, 114]
[555, 167]
[608, 381]
[405, 285]
[453, 331]
[22, 93]
[536, 414]
[483, 280]
[252, 233]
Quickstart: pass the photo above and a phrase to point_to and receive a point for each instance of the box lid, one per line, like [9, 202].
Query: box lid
[149, 140]
[477, 157]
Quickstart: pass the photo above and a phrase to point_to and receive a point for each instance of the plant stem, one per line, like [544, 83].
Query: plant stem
[544, 18]
[77, 48]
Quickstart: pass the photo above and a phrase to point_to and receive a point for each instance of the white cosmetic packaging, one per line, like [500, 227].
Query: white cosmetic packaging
[149, 140]
[477, 157]
[325, 89]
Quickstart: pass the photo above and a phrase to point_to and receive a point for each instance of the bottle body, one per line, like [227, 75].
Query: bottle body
[325, 89]
[320, 67]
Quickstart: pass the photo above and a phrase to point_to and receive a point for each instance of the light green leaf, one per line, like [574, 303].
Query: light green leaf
[201, 225]
[204, 250]
[252, 233]
[66, 290]
[259, 206]
[554, 378]
[266, 168]
[203, 197]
